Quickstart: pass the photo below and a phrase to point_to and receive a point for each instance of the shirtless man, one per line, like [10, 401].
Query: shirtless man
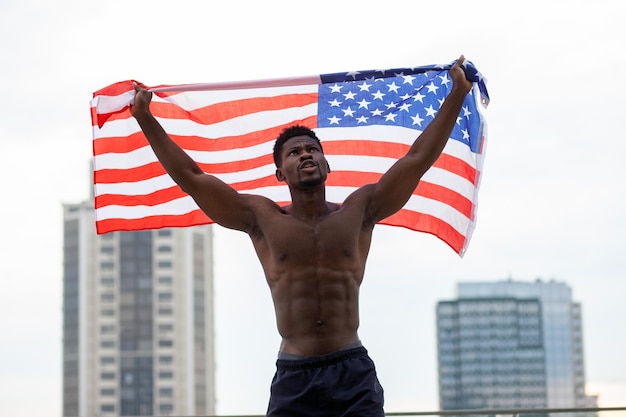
[313, 253]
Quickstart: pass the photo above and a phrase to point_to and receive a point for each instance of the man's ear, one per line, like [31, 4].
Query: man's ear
[279, 175]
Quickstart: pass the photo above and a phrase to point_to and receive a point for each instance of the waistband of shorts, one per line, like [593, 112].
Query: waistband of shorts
[321, 361]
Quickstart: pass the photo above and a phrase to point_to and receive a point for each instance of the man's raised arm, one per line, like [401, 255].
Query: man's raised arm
[218, 200]
[395, 187]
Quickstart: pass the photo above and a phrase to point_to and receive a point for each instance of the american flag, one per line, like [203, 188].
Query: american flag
[365, 119]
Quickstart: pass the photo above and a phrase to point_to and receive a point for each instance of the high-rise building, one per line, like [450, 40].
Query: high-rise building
[511, 344]
[137, 320]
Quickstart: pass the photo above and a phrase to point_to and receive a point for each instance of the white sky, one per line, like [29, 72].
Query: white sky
[552, 200]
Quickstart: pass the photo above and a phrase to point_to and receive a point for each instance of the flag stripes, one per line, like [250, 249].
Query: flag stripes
[230, 134]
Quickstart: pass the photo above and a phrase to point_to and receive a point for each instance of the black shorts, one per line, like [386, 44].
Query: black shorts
[340, 384]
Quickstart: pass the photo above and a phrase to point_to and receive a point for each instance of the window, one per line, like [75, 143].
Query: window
[106, 249]
[165, 280]
[165, 311]
[164, 264]
[166, 392]
[107, 297]
[164, 233]
[107, 328]
[107, 312]
[164, 249]
[107, 344]
[166, 408]
[107, 376]
[107, 392]
[165, 296]
[107, 360]
[106, 265]
[165, 359]
[166, 343]
[166, 328]
[166, 375]
[107, 408]
[107, 281]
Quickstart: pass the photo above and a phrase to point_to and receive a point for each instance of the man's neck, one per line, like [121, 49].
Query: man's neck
[309, 205]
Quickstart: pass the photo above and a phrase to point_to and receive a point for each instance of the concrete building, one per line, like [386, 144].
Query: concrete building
[137, 320]
[511, 345]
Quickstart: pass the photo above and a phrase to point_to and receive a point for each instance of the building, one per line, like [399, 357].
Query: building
[511, 345]
[137, 320]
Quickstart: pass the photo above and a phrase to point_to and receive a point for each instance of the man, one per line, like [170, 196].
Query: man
[313, 253]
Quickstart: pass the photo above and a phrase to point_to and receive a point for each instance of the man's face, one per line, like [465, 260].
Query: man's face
[304, 163]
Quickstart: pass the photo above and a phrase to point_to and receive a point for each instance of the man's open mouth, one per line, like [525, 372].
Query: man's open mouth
[308, 164]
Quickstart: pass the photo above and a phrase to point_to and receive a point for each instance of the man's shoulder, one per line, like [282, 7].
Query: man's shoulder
[263, 205]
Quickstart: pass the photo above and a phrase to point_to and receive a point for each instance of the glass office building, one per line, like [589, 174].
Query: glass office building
[137, 320]
[511, 345]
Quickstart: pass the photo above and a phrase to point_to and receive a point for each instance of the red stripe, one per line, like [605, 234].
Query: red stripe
[155, 169]
[384, 149]
[194, 218]
[421, 222]
[424, 189]
[218, 112]
[115, 89]
[411, 220]
[337, 178]
[137, 140]
[396, 151]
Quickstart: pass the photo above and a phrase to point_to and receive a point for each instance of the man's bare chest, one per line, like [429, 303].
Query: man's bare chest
[333, 238]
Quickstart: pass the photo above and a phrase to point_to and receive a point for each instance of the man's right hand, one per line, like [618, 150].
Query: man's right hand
[142, 101]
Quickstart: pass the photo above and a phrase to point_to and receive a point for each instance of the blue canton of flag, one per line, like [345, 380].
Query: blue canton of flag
[406, 97]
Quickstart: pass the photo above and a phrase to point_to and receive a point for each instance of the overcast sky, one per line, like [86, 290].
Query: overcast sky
[551, 204]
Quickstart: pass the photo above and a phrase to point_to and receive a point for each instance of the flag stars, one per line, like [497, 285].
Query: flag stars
[335, 88]
[419, 97]
[417, 120]
[348, 112]
[334, 120]
[390, 117]
[432, 88]
[378, 95]
[393, 87]
[353, 74]
[444, 79]
[408, 79]
[365, 86]
[334, 103]
[363, 104]
[396, 100]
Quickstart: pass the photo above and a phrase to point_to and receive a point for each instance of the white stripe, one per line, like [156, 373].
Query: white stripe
[378, 165]
[242, 125]
[194, 100]
[280, 193]
[109, 104]
[393, 134]
[373, 164]
[135, 188]
[179, 206]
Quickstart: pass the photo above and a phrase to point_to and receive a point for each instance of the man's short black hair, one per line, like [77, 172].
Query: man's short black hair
[288, 133]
